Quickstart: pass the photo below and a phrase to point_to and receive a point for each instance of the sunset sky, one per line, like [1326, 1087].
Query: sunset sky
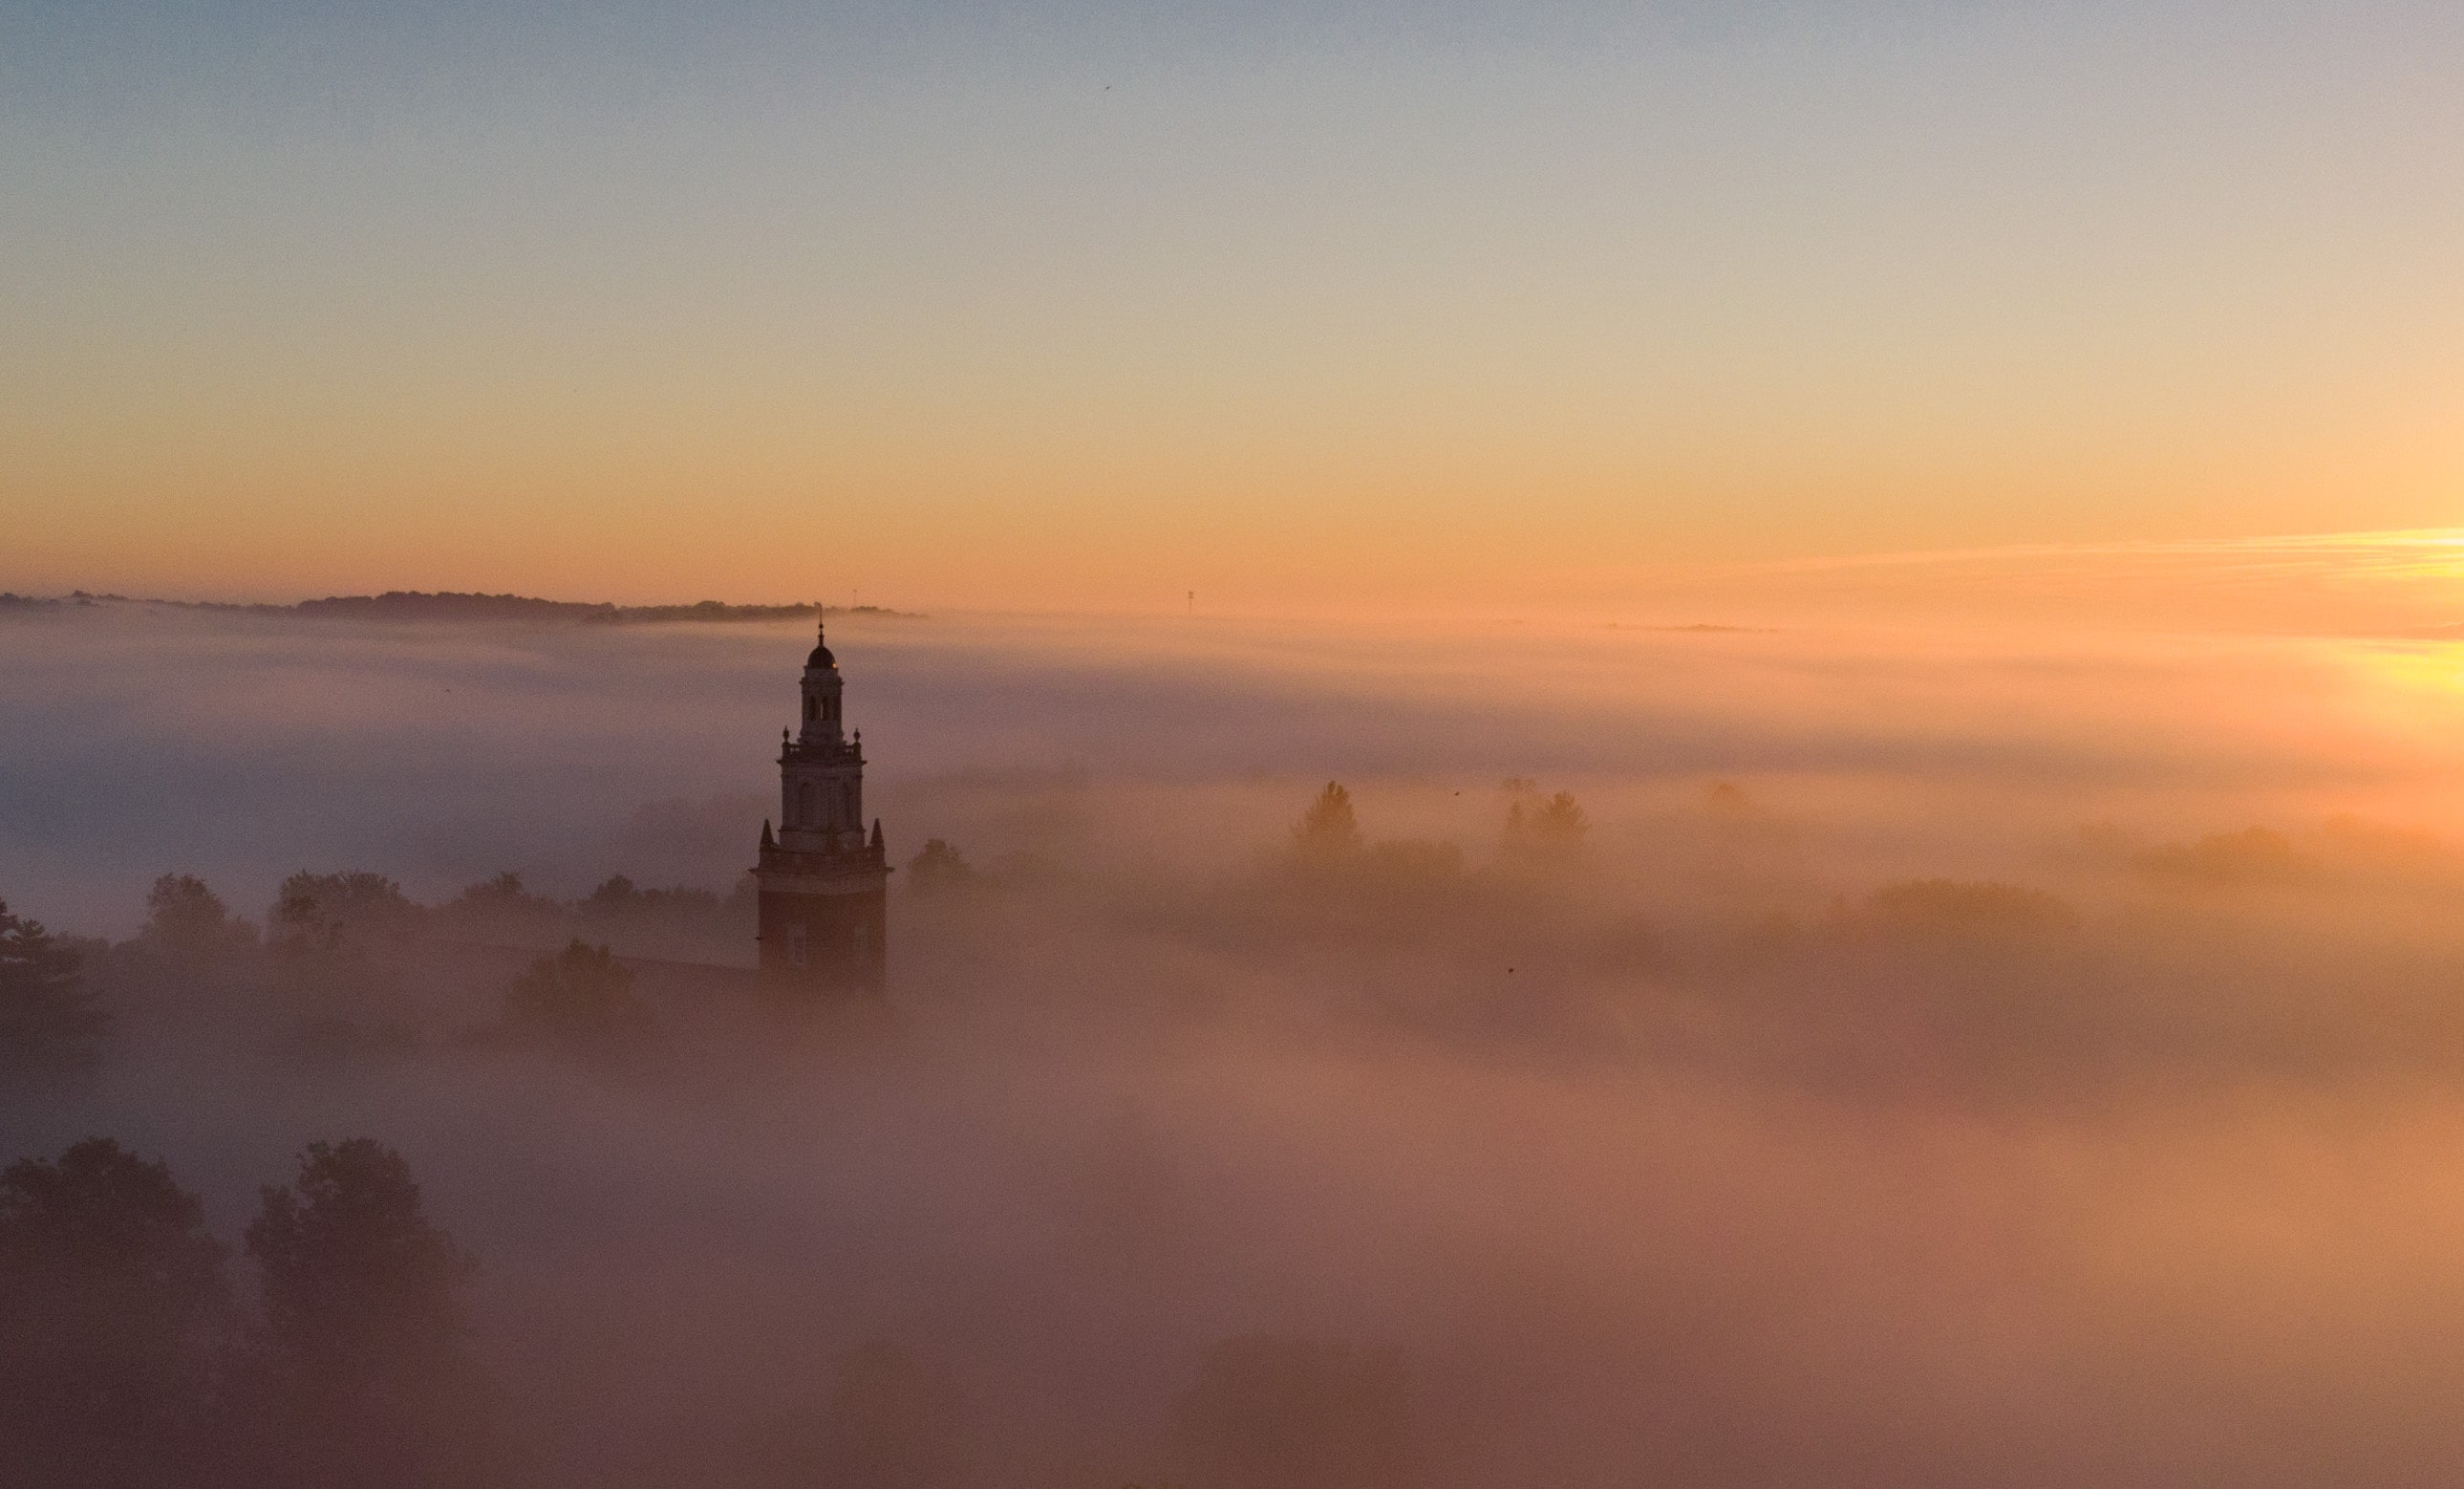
[1085, 305]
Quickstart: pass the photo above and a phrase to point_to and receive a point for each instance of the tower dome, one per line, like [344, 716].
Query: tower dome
[820, 657]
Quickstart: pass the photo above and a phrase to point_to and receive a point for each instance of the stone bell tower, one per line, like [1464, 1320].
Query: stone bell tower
[825, 905]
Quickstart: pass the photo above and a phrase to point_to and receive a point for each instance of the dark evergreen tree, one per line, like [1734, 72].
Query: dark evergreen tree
[1328, 831]
[47, 1015]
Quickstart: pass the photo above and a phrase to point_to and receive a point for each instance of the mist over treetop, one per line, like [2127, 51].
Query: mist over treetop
[1409, 1054]
[247, 747]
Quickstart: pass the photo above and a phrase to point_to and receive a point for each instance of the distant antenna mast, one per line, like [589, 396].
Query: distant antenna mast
[1192, 602]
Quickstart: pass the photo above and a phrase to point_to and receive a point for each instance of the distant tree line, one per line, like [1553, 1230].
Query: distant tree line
[1540, 832]
[356, 908]
[334, 951]
[414, 604]
[1328, 849]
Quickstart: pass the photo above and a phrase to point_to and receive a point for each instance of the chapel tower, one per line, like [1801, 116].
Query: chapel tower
[825, 905]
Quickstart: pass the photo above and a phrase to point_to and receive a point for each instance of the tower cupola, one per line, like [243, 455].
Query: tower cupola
[823, 692]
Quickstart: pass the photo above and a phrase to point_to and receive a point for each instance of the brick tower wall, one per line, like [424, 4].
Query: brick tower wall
[824, 943]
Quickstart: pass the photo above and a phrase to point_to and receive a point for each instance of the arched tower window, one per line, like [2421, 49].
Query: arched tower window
[805, 802]
[812, 709]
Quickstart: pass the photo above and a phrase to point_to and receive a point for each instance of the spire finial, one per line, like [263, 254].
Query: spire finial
[820, 622]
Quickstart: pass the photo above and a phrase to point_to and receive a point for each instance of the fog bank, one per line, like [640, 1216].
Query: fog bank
[1824, 1055]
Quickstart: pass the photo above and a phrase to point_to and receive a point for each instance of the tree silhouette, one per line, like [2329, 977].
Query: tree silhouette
[47, 1015]
[329, 911]
[333, 935]
[185, 920]
[501, 907]
[1560, 819]
[361, 1375]
[111, 1295]
[580, 996]
[677, 922]
[940, 867]
[1328, 831]
[614, 898]
[1543, 832]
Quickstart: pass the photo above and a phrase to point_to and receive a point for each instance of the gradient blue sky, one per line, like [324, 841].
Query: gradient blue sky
[1088, 304]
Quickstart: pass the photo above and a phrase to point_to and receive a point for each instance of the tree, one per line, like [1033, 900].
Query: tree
[1544, 831]
[361, 1374]
[47, 1015]
[612, 899]
[333, 935]
[111, 1295]
[681, 921]
[1560, 820]
[1328, 831]
[186, 919]
[940, 867]
[329, 911]
[582, 996]
[502, 907]
[1271, 1412]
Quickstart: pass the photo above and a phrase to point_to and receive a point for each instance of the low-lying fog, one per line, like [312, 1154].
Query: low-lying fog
[1911, 1056]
